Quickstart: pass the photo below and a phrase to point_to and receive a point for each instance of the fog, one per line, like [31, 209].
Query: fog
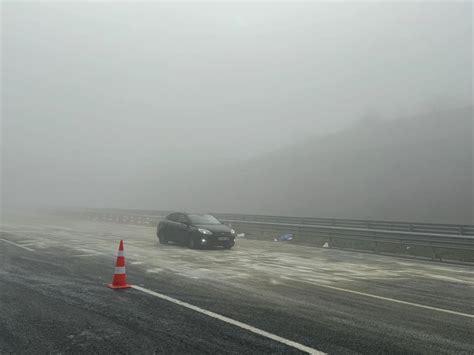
[178, 105]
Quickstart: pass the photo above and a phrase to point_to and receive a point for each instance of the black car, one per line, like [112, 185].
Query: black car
[195, 230]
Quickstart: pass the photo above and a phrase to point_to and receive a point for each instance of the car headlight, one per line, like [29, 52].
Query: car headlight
[232, 232]
[205, 231]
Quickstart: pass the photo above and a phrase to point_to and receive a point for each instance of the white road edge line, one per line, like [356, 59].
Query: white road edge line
[233, 322]
[397, 301]
[17, 245]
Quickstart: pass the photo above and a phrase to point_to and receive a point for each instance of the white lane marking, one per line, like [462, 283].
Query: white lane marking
[84, 255]
[29, 243]
[233, 322]
[17, 245]
[137, 263]
[87, 252]
[396, 301]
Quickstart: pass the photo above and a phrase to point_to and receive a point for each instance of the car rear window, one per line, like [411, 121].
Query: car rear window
[203, 219]
[172, 217]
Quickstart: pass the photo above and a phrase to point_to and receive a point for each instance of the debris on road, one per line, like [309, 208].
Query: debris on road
[284, 238]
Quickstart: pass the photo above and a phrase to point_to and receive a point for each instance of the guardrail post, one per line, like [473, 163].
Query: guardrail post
[435, 255]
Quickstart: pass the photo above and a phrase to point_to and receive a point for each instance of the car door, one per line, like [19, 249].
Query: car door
[182, 227]
[172, 227]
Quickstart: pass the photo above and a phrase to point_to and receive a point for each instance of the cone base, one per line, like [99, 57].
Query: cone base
[118, 286]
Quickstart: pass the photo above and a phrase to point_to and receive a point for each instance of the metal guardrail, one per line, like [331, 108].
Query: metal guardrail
[438, 228]
[447, 236]
[433, 236]
[437, 240]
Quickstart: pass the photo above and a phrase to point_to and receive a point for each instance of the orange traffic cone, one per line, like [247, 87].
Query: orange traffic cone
[120, 277]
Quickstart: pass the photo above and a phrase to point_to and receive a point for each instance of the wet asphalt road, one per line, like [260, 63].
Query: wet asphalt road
[53, 297]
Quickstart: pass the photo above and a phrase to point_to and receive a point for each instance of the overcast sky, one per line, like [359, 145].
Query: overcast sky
[96, 93]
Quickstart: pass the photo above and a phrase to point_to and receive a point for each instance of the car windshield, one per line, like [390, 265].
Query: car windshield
[203, 219]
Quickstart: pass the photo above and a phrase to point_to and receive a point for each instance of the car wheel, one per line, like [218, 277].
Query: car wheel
[229, 245]
[162, 238]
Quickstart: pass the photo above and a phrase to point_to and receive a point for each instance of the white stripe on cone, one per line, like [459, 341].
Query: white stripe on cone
[120, 253]
[120, 270]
